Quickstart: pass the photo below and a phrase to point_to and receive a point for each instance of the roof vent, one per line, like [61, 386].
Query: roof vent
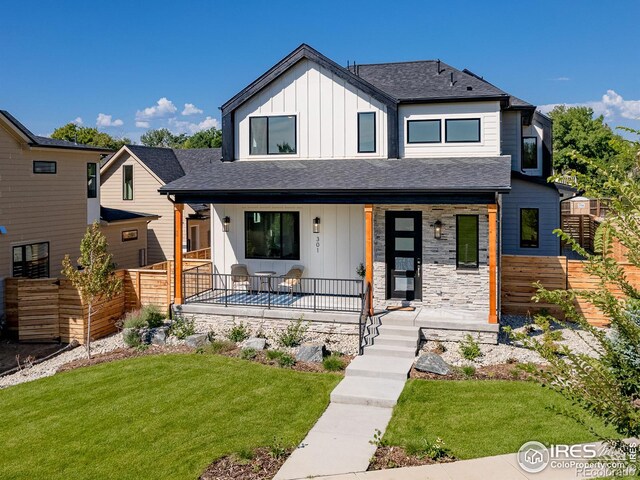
[453, 82]
[439, 70]
[469, 88]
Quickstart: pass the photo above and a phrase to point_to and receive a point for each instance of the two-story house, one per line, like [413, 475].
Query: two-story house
[418, 171]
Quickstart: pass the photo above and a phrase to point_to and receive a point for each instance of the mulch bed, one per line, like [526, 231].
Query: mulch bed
[395, 457]
[261, 466]
[12, 351]
[502, 371]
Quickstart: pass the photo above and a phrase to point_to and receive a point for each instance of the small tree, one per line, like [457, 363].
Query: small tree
[94, 276]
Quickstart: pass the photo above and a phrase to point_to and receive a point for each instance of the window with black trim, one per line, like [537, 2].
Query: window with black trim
[41, 166]
[529, 153]
[272, 235]
[462, 130]
[424, 131]
[129, 235]
[366, 132]
[127, 182]
[92, 180]
[31, 261]
[274, 135]
[467, 254]
[529, 227]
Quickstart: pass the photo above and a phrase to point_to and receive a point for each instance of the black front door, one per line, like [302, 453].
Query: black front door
[403, 240]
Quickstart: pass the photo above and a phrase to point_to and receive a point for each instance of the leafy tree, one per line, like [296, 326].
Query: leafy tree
[210, 138]
[88, 136]
[94, 277]
[605, 385]
[163, 138]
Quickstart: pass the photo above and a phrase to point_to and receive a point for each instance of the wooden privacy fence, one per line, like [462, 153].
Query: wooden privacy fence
[582, 229]
[519, 273]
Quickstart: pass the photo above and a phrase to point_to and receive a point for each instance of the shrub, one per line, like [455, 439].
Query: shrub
[238, 333]
[274, 354]
[468, 370]
[153, 316]
[286, 361]
[182, 327]
[248, 354]
[221, 346]
[132, 338]
[469, 348]
[135, 320]
[333, 363]
[293, 335]
[426, 449]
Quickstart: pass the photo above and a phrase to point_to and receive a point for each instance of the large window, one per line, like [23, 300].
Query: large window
[31, 261]
[529, 227]
[462, 130]
[92, 180]
[423, 131]
[127, 182]
[40, 166]
[529, 152]
[272, 135]
[467, 241]
[366, 132]
[274, 235]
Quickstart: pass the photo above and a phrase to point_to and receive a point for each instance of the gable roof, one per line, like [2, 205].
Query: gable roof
[46, 142]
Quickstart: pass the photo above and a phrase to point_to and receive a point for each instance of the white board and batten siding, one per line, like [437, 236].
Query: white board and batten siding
[326, 108]
[487, 112]
[335, 252]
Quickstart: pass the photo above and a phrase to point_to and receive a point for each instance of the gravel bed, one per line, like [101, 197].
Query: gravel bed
[50, 367]
[505, 351]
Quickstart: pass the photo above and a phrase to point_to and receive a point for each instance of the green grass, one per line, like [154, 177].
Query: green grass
[478, 418]
[153, 417]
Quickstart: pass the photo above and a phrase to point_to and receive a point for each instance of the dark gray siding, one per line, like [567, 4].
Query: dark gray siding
[530, 195]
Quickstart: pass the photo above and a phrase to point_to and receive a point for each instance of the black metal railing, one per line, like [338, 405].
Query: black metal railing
[317, 294]
[363, 320]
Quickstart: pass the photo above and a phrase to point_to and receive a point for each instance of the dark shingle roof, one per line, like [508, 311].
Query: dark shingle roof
[473, 174]
[110, 215]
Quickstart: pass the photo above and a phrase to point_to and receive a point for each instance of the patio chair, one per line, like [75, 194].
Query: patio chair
[240, 276]
[292, 279]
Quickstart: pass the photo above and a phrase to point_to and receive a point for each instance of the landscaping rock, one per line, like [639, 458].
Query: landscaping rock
[255, 343]
[197, 340]
[310, 352]
[158, 336]
[432, 363]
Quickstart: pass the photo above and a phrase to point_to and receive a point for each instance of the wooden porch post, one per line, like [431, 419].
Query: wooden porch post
[368, 235]
[177, 253]
[493, 263]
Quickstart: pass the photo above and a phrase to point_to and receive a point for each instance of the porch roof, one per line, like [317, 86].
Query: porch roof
[465, 180]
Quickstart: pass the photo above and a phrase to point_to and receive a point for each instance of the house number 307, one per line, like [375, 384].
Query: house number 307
[318, 244]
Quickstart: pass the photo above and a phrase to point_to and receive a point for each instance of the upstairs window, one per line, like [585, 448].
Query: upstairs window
[40, 166]
[462, 130]
[423, 131]
[31, 261]
[92, 180]
[127, 182]
[529, 153]
[366, 132]
[272, 135]
[272, 235]
[529, 227]
[467, 253]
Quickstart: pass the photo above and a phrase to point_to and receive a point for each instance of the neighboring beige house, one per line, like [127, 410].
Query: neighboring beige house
[126, 234]
[130, 180]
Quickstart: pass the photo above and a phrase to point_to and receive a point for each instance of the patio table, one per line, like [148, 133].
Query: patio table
[265, 279]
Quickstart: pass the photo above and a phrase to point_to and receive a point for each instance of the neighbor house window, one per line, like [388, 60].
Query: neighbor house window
[127, 182]
[31, 261]
[529, 227]
[274, 235]
[467, 241]
[529, 152]
[423, 131]
[92, 180]
[40, 166]
[129, 235]
[272, 135]
[366, 132]
[462, 130]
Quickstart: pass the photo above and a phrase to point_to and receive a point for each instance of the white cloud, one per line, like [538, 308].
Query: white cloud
[104, 120]
[163, 107]
[611, 105]
[142, 124]
[179, 126]
[190, 109]
[562, 79]
[78, 121]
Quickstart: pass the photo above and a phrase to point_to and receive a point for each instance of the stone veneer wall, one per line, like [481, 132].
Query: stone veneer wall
[443, 286]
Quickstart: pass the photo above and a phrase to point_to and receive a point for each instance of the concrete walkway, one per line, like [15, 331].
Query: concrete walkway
[361, 404]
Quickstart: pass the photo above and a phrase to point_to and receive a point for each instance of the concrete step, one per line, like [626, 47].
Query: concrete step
[402, 321]
[376, 392]
[379, 367]
[390, 351]
[396, 341]
[399, 330]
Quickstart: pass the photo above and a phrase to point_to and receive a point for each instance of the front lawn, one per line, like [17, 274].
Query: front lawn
[165, 416]
[481, 418]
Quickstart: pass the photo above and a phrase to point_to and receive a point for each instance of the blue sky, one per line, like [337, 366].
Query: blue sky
[123, 65]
